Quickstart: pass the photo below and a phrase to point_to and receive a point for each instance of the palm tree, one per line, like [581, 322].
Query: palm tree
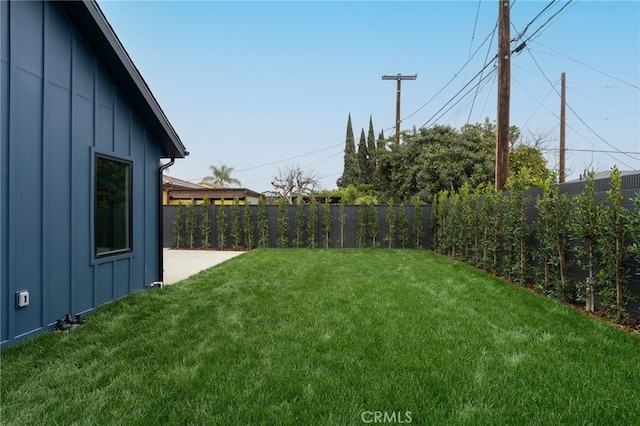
[221, 176]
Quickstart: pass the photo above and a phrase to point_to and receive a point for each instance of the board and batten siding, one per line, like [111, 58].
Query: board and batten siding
[58, 109]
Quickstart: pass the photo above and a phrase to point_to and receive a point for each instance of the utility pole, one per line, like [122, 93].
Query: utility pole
[399, 78]
[563, 92]
[504, 90]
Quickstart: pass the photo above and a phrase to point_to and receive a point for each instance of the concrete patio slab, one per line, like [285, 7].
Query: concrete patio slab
[181, 264]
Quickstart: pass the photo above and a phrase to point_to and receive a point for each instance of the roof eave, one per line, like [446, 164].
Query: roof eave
[86, 16]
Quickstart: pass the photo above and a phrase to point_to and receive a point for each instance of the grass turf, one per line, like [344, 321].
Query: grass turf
[328, 337]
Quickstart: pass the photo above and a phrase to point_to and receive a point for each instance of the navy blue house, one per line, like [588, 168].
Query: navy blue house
[80, 166]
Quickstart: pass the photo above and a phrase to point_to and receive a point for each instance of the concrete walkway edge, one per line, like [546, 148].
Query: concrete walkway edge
[181, 264]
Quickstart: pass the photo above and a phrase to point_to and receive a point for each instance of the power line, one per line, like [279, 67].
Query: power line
[279, 161]
[464, 102]
[288, 159]
[540, 103]
[475, 24]
[460, 91]
[515, 50]
[489, 92]
[604, 102]
[574, 112]
[591, 67]
[595, 150]
[597, 135]
[486, 59]
[519, 36]
[593, 144]
[545, 23]
[455, 75]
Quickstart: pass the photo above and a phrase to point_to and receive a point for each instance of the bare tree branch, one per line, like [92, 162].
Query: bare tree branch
[295, 182]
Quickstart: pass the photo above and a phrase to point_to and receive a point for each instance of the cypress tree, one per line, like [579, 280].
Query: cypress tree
[351, 171]
[380, 144]
[363, 159]
[374, 157]
[371, 140]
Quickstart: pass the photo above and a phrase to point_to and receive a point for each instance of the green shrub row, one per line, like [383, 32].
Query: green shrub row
[248, 228]
[585, 237]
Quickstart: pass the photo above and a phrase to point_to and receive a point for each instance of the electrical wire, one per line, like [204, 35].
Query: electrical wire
[547, 22]
[598, 148]
[604, 102]
[516, 50]
[519, 36]
[576, 114]
[592, 150]
[278, 161]
[475, 24]
[540, 103]
[288, 159]
[460, 91]
[493, 82]
[591, 67]
[455, 75]
[465, 102]
[486, 58]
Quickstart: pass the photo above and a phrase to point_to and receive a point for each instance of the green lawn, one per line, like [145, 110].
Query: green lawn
[328, 337]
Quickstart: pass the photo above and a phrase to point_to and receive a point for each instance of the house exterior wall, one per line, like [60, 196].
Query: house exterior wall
[59, 109]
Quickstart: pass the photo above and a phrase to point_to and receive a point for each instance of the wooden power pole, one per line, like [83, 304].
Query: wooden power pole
[563, 92]
[399, 78]
[504, 89]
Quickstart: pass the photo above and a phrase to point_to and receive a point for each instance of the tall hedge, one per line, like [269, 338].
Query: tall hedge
[599, 237]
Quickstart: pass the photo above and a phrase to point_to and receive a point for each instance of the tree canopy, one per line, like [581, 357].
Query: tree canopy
[439, 158]
[435, 159]
[524, 156]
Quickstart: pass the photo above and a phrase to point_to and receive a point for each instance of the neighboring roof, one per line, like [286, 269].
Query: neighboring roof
[210, 185]
[103, 41]
[182, 189]
[179, 183]
[604, 175]
[213, 193]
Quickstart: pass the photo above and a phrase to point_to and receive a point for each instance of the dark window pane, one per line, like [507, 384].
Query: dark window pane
[113, 206]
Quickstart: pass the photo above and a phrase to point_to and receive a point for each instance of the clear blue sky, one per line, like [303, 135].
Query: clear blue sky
[260, 86]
